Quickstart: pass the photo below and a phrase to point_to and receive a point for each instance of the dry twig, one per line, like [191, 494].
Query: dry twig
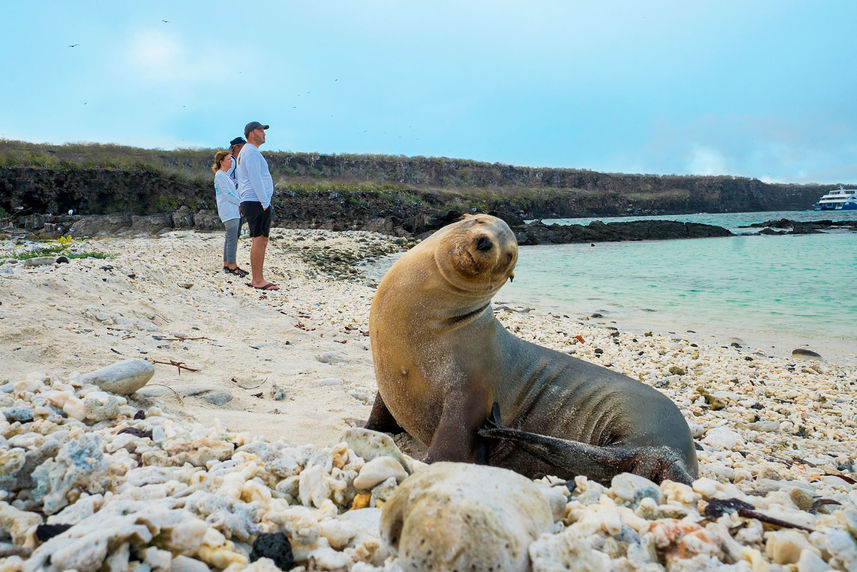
[178, 364]
[179, 397]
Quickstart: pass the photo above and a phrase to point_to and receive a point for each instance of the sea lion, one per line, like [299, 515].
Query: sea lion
[443, 361]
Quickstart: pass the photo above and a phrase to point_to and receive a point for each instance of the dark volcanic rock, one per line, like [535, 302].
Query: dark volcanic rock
[786, 226]
[539, 233]
[273, 545]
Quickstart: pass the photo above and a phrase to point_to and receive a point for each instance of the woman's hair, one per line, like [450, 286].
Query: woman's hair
[218, 159]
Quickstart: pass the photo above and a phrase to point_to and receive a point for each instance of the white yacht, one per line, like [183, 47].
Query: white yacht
[839, 200]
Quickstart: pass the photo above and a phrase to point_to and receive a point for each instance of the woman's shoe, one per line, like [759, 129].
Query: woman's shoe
[236, 271]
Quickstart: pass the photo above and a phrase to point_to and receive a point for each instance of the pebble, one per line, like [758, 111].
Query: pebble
[632, 488]
[277, 393]
[723, 438]
[18, 413]
[331, 358]
[377, 471]
[803, 353]
[121, 378]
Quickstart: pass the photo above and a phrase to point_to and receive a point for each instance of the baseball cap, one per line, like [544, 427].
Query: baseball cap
[253, 125]
[237, 141]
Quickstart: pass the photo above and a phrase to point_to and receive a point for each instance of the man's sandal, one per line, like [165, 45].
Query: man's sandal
[268, 286]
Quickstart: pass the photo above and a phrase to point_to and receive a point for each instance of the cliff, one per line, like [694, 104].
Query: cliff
[350, 190]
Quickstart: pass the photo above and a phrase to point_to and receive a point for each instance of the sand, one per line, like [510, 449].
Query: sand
[166, 299]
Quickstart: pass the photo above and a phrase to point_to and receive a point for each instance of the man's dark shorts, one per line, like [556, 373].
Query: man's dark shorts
[258, 220]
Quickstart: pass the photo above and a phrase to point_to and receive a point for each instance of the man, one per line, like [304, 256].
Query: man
[234, 149]
[256, 190]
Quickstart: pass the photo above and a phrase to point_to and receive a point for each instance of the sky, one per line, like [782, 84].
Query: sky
[762, 88]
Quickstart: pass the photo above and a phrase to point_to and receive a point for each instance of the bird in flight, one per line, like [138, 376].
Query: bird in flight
[165, 21]
[73, 45]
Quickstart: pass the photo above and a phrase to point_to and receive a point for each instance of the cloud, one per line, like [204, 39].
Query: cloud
[706, 161]
[159, 57]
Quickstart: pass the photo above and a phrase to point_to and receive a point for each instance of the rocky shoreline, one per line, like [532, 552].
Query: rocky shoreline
[257, 435]
[49, 226]
[786, 226]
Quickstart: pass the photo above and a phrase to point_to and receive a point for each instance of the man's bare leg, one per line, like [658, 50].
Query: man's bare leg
[257, 261]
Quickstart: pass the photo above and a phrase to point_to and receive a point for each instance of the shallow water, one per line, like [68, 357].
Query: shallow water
[736, 222]
[768, 290]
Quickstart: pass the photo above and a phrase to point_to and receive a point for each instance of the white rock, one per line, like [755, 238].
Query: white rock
[314, 486]
[460, 516]
[633, 488]
[156, 558]
[722, 438]
[17, 523]
[183, 563]
[842, 546]
[809, 561]
[75, 408]
[186, 537]
[101, 406]
[696, 430]
[571, 550]
[785, 546]
[377, 471]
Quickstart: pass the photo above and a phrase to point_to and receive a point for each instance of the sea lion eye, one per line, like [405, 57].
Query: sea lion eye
[484, 244]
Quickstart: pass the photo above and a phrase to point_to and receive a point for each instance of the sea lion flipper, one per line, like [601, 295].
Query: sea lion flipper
[494, 421]
[571, 458]
[456, 437]
[380, 419]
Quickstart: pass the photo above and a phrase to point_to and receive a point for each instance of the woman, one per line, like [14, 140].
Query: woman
[227, 208]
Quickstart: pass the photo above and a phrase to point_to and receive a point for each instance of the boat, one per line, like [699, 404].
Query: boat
[838, 200]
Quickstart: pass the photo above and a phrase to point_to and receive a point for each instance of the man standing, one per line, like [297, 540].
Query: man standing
[234, 148]
[256, 190]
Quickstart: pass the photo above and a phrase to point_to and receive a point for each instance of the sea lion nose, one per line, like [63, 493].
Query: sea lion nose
[484, 244]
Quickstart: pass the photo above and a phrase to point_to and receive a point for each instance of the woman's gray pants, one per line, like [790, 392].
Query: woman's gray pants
[230, 246]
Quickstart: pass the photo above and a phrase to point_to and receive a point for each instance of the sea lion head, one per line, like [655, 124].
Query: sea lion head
[477, 253]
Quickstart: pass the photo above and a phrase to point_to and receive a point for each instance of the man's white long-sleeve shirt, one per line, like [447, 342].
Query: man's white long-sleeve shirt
[254, 177]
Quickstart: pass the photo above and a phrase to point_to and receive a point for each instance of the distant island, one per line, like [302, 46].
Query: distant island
[378, 192]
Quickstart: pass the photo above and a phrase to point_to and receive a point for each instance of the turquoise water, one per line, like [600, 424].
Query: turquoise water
[732, 221]
[777, 291]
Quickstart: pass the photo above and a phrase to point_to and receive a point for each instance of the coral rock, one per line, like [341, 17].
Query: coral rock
[459, 516]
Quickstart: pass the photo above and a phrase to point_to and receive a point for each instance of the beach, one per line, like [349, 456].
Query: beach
[294, 366]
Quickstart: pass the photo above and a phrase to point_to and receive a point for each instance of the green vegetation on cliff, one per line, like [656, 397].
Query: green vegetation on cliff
[101, 178]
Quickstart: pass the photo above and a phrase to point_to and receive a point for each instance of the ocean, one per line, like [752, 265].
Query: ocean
[775, 293]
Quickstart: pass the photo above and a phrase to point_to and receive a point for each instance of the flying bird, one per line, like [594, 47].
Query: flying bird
[73, 45]
[165, 21]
